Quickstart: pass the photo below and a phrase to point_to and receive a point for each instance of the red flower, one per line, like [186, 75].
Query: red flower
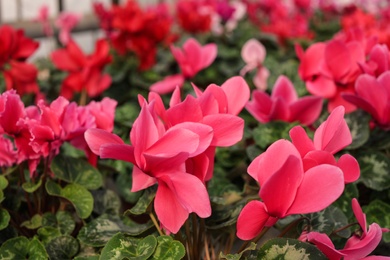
[85, 71]
[194, 16]
[15, 48]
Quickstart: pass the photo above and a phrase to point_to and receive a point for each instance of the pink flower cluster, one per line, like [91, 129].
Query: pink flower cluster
[288, 174]
[35, 132]
[175, 147]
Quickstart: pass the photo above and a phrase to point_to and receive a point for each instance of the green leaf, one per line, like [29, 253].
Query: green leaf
[167, 248]
[30, 187]
[22, 248]
[91, 257]
[122, 246]
[287, 248]
[358, 123]
[99, 231]
[379, 212]
[78, 195]
[266, 134]
[143, 202]
[62, 220]
[374, 170]
[46, 234]
[34, 223]
[252, 246]
[344, 201]
[77, 171]
[1, 196]
[3, 182]
[4, 218]
[123, 184]
[63, 247]
[328, 220]
[106, 201]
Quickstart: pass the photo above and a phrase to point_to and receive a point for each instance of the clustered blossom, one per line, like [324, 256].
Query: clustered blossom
[35, 132]
[15, 49]
[177, 150]
[288, 174]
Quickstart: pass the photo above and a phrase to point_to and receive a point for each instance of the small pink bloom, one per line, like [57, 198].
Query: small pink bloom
[66, 22]
[284, 104]
[193, 57]
[286, 189]
[43, 18]
[8, 155]
[253, 53]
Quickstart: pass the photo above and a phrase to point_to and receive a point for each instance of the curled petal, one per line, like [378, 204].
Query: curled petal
[350, 167]
[95, 138]
[251, 220]
[228, 129]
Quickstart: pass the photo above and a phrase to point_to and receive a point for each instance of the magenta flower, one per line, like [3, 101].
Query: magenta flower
[253, 53]
[284, 104]
[8, 155]
[192, 58]
[331, 137]
[286, 189]
[159, 156]
[358, 246]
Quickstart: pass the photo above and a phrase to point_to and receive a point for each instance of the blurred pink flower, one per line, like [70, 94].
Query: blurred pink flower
[66, 22]
[43, 18]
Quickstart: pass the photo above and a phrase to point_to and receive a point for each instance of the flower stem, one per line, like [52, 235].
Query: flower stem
[83, 97]
[154, 220]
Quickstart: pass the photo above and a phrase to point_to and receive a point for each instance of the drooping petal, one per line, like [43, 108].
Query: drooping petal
[122, 152]
[322, 86]
[157, 164]
[169, 210]
[237, 93]
[359, 215]
[251, 220]
[279, 190]
[228, 129]
[311, 60]
[338, 59]
[209, 53]
[260, 106]
[350, 167]
[141, 180]
[260, 78]
[95, 138]
[325, 245]
[314, 195]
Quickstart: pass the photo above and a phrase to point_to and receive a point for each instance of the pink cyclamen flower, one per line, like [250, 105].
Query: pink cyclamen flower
[8, 155]
[358, 246]
[331, 137]
[373, 96]
[66, 22]
[159, 157]
[43, 18]
[286, 189]
[330, 69]
[191, 59]
[253, 53]
[284, 104]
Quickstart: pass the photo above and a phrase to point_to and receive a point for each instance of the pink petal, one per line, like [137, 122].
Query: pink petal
[190, 192]
[333, 134]
[285, 90]
[95, 138]
[141, 180]
[237, 93]
[175, 98]
[220, 97]
[168, 84]
[279, 110]
[338, 59]
[122, 152]
[253, 52]
[251, 220]
[359, 215]
[170, 212]
[179, 113]
[314, 195]
[317, 157]
[278, 192]
[306, 110]
[209, 53]
[173, 142]
[260, 78]
[357, 248]
[204, 132]
[311, 61]
[301, 140]
[156, 165]
[325, 245]
[260, 106]
[350, 167]
[322, 86]
[363, 104]
[228, 129]
[272, 160]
